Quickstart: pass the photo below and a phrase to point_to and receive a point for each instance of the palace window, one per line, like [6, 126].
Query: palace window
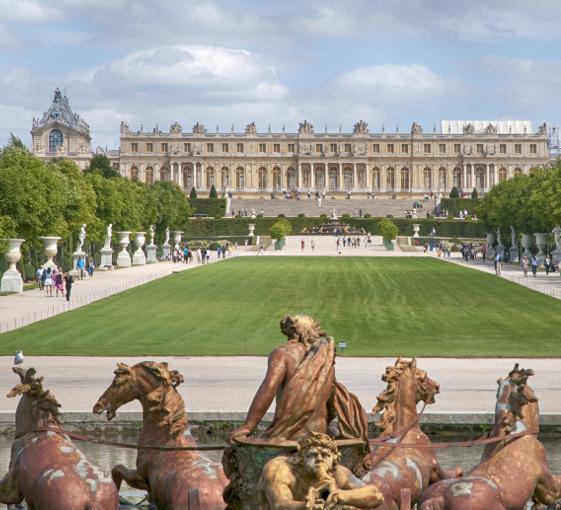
[210, 147]
[405, 148]
[239, 147]
[427, 148]
[134, 147]
[333, 147]
[533, 148]
[457, 148]
[276, 147]
[389, 148]
[348, 147]
[502, 148]
[319, 147]
[262, 147]
[479, 148]
[442, 148]
[186, 147]
[517, 148]
[164, 147]
[55, 140]
[376, 148]
[291, 148]
[225, 147]
[149, 147]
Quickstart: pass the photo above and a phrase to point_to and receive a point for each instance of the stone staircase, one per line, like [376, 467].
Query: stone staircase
[376, 207]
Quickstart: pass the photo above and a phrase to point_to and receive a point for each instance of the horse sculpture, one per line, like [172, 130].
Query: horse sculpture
[168, 476]
[393, 469]
[511, 472]
[46, 469]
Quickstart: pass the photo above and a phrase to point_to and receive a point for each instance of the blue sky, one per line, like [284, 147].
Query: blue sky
[279, 62]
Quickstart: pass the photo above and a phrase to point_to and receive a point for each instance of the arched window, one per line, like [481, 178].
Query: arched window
[164, 174]
[277, 178]
[427, 179]
[133, 173]
[149, 175]
[55, 140]
[333, 178]
[517, 172]
[390, 179]
[240, 178]
[457, 178]
[262, 178]
[502, 175]
[376, 178]
[291, 179]
[348, 178]
[480, 179]
[188, 180]
[209, 177]
[404, 179]
[442, 179]
[225, 177]
[360, 177]
[319, 175]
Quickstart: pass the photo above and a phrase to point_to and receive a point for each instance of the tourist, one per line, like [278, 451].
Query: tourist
[59, 284]
[547, 265]
[185, 254]
[218, 252]
[39, 277]
[80, 266]
[48, 284]
[203, 255]
[302, 244]
[312, 245]
[344, 242]
[91, 268]
[498, 264]
[68, 281]
[261, 250]
[245, 244]
[534, 264]
[525, 266]
[199, 256]
[207, 256]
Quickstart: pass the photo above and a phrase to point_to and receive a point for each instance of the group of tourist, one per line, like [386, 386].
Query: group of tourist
[187, 255]
[54, 281]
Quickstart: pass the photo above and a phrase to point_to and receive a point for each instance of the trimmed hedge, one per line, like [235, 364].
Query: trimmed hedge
[212, 207]
[204, 227]
[455, 205]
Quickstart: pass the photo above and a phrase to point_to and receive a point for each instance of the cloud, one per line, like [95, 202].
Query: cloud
[27, 11]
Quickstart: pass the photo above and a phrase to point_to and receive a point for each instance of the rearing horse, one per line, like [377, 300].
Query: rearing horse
[166, 475]
[46, 469]
[511, 471]
[392, 469]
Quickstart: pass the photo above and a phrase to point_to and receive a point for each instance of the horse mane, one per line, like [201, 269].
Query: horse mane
[166, 398]
[45, 407]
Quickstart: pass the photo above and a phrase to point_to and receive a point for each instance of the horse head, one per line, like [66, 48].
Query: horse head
[38, 407]
[154, 385]
[406, 386]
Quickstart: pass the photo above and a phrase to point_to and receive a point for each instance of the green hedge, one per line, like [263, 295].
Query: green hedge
[455, 205]
[205, 227]
[210, 206]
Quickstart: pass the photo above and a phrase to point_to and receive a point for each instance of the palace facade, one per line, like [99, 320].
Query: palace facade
[465, 154]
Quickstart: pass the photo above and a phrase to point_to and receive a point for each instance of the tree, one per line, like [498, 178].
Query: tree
[280, 229]
[193, 193]
[172, 205]
[388, 229]
[454, 193]
[213, 193]
[101, 164]
[474, 194]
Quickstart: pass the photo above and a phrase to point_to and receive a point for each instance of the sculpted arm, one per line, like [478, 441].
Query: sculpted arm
[265, 394]
[354, 492]
[276, 482]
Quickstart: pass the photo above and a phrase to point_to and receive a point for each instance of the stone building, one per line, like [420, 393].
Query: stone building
[62, 133]
[464, 154]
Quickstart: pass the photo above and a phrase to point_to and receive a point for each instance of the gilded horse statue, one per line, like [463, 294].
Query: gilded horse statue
[168, 476]
[392, 469]
[46, 469]
[512, 471]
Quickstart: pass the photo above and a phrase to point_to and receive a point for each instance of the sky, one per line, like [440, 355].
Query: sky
[332, 62]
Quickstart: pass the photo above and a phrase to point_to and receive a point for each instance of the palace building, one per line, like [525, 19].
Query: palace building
[465, 154]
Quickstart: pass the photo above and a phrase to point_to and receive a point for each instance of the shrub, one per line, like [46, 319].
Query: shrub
[455, 205]
[215, 207]
[454, 193]
[367, 215]
[213, 193]
[474, 194]
[323, 216]
[280, 229]
[193, 193]
[346, 216]
[301, 215]
[388, 229]
[281, 215]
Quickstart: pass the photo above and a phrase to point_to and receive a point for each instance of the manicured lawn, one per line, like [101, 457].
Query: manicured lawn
[379, 306]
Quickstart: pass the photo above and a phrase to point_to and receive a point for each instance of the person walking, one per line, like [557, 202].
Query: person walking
[39, 277]
[498, 264]
[547, 265]
[59, 284]
[68, 281]
[302, 244]
[534, 264]
[261, 251]
[312, 245]
[525, 264]
[48, 285]
[91, 268]
[80, 265]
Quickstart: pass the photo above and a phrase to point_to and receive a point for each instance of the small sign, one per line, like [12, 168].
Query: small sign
[342, 346]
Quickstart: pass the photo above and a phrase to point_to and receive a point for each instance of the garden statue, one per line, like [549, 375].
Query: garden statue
[301, 376]
[81, 238]
[556, 236]
[152, 234]
[512, 471]
[168, 476]
[513, 252]
[166, 241]
[417, 467]
[46, 469]
[108, 236]
[313, 478]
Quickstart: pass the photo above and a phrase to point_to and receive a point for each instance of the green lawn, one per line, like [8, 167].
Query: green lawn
[379, 306]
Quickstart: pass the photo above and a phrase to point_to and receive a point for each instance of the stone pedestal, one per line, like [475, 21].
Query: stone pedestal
[416, 228]
[541, 243]
[490, 246]
[139, 258]
[244, 461]
[11, 279]
[526, 243]
[556, 256]
[151, 254]
[166, 251]
[177, 239]
[51, 249]
[124, 259]
[106, 259]
[513, 255]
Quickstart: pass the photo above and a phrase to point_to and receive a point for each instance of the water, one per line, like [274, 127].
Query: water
[106, 457]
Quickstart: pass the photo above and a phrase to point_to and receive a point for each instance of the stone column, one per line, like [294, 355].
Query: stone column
[341, 184]
[487, 186]
[139, 258]
[11, 279]
[367, 177]
[124, 259]
[299, 176]
[312, 176]
[354, 186]
[464, 178]
[203, 176]
[472, 177]
[51, 249]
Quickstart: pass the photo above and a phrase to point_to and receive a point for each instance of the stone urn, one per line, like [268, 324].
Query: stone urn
[526, 243]
[251, 227]
[11, 279]
[50, 246]
[124, 259]
[416, 228]
[177, 239]
[541, 243]
[490, 246]
[139, 257]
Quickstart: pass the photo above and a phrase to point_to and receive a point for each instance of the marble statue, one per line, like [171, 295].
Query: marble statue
[557, 237]
[152, 234]
[513, 237]
[108, 236]
[81, 238]
[166, 242]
